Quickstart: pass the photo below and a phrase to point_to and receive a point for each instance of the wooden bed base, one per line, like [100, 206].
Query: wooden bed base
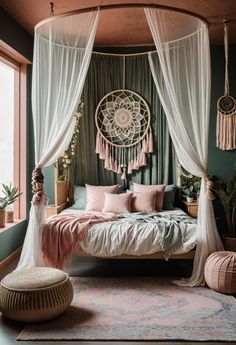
[158, 255]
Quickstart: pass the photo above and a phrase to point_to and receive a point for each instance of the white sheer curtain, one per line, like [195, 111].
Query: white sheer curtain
[181, 72]
[62, 52]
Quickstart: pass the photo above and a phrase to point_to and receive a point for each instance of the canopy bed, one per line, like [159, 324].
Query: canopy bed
[181, 72]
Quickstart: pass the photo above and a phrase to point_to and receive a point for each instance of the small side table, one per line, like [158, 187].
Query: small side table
[191, 208]
[52, 210]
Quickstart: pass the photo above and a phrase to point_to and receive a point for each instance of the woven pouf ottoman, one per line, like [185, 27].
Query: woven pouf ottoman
[35, 294]
[220, 272]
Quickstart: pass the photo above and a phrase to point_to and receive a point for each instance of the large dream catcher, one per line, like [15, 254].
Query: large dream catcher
[226, 109]
[124, 135]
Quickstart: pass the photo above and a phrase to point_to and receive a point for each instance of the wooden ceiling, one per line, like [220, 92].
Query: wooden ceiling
[126, 26]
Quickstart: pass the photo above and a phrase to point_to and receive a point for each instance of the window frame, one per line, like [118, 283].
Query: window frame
[19, 144]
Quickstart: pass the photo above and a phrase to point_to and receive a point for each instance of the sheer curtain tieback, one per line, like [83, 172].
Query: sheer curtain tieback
[37, 183]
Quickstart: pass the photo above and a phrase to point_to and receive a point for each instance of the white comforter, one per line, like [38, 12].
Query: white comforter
[134, 238]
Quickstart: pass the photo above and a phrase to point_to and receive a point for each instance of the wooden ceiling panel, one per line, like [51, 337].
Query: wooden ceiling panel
[124, 27]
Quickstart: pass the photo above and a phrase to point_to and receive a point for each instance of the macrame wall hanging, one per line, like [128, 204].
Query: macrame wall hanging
[124, 134]
[226, 109]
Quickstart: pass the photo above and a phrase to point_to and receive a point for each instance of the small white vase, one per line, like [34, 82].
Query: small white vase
[189, 199]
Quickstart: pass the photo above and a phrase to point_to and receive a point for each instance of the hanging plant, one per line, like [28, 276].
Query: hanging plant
[65, 161]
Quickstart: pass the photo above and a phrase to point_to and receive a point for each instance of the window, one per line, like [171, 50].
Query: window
[13, 129]
[7, 122]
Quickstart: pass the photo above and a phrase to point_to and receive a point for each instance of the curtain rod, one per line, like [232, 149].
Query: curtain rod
[121, 55]
[118, 6]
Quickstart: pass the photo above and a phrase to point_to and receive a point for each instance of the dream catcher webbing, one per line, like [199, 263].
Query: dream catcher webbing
[124, 135]
[226, 109]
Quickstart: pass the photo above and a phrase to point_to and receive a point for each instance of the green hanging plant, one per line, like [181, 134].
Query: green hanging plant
[65, 161]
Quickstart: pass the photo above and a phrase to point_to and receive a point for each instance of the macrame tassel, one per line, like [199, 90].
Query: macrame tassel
[122, 159]
[119, 171]
[123, 176]
[115, 166]
[100, 146]
[130, 168]
[98, 143]
[226, 131]
[145, 144]
[143, 159]
[150, 142]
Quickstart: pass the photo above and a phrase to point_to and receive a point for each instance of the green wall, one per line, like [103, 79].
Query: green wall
[49, 185]
[220, 163]
[15, 36]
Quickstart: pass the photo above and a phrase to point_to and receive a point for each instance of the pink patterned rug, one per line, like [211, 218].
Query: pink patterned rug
[140, 308]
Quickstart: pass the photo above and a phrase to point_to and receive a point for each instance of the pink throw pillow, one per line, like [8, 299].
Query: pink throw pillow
[158, 188]
[144, 201]
[96, 196]
[117, 202]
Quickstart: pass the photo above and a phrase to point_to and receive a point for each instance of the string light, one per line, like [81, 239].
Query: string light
[65, 161]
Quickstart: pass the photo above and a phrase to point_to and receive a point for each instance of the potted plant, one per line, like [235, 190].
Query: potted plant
[226, 193]
[10, 194]
[188, 188]
[197, 186]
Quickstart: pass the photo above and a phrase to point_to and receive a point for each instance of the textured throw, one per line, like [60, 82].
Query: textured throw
[140, 308]
[62, 234]
[171, 227]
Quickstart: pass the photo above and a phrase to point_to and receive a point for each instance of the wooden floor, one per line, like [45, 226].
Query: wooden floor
[93, 267]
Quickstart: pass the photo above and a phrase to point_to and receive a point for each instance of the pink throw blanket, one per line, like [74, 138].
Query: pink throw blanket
[61, 234]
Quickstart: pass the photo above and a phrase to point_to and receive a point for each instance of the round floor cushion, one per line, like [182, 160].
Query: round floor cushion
[35, 294]
[220, 272]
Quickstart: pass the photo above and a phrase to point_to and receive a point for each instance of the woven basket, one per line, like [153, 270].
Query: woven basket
[35, 294]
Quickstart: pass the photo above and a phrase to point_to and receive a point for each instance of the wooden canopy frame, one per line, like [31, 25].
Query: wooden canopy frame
[118, 6]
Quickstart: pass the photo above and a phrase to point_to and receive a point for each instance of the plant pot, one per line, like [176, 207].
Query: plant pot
[229, 243]
[2, 218]
[189, 199]
[9, 216]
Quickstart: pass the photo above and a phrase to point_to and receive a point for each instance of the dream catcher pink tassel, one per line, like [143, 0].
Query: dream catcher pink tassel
[124, 134]
[226, 109]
